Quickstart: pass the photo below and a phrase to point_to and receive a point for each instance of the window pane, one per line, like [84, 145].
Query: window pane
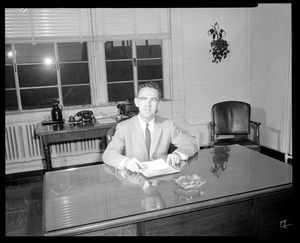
[9, 77]
[38, 98]
[120, 91]
[37, 75]
[118, 50]
[72, 52]
[148, 48]
[76, 95]
[8, 54]
[11, 100]
[150, 69]
[119, 71]
[38, 53]
[74, 73]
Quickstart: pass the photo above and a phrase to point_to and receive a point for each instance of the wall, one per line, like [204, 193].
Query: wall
[197, 82]
[270, 73]
[257, 69]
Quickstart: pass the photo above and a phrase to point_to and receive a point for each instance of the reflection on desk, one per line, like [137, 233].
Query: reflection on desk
[98, 199]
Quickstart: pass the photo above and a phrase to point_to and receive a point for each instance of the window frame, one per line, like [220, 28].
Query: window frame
[98, 78]
[99, 48]
[59, 84]
[134, 65]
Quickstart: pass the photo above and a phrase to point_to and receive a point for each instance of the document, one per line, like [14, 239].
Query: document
[157, 167]
[106, 120]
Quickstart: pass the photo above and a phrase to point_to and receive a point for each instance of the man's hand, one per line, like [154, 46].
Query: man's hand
[133, 165]
[137, 179]
[173, 159]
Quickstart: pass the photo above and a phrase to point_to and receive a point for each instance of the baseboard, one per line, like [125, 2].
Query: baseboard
[266, 151]
[272, 153]
[22, 177]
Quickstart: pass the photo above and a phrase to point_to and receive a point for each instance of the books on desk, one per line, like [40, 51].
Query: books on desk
[157, 168]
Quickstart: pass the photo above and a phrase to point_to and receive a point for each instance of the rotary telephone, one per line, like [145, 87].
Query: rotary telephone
[82, 116]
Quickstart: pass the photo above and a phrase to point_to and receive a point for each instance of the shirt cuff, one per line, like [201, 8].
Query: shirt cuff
[121, 164]
[181, 155]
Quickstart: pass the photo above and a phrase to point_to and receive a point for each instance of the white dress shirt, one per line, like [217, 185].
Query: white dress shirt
[150, 126]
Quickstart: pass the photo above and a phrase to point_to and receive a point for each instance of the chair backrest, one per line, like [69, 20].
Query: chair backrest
[110, 134]
[231, 118]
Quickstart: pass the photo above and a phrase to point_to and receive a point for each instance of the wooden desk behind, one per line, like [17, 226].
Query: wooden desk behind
[251, 196]
[67, 132]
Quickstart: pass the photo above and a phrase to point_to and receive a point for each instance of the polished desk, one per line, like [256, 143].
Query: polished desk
[68, 132]
[245, 194]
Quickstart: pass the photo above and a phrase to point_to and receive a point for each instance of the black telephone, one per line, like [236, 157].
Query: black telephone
[82, 116]
[127, 109]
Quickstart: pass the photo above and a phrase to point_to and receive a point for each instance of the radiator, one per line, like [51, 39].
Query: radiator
[22, 146]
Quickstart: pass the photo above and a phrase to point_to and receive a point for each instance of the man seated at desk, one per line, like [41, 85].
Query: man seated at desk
[131, 143]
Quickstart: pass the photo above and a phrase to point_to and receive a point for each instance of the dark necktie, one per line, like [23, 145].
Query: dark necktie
[148, 138]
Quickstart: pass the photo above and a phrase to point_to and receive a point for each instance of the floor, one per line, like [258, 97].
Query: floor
[23, 205]
[24, 197]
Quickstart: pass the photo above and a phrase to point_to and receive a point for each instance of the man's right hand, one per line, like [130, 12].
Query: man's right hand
[133, 165]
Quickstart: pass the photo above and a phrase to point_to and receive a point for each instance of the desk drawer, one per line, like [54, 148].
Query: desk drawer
[276, 216]
[231, 219]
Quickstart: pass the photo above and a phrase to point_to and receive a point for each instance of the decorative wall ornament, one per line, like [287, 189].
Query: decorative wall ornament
[219, 46]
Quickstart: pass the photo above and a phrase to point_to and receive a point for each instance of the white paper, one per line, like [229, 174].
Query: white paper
[106, 120]
[156, 168]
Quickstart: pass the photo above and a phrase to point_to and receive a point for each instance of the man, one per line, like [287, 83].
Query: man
[128, 147]
[152, 199]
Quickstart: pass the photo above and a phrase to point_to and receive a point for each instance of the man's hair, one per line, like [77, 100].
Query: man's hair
[150, 85]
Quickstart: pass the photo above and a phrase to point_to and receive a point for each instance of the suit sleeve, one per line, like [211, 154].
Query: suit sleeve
[113, 154]
[185, 143]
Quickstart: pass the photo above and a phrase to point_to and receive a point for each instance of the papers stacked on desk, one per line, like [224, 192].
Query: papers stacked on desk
[106, 120]
[157, 168]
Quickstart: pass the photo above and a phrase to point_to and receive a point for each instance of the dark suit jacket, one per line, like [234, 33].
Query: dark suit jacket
[129, 141]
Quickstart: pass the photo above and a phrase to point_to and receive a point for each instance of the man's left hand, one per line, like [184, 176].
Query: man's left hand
[173, 159]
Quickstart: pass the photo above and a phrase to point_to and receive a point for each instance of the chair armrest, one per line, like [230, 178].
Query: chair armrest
[212, 132]
[212, 124]
[255, 123]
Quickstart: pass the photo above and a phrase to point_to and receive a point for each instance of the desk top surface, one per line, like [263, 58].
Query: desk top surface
[66, 127]
[99, 193]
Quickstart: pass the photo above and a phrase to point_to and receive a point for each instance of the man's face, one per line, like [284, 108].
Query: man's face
[148, 102]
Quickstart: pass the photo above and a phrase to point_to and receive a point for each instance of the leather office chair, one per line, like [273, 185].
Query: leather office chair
[231, 124]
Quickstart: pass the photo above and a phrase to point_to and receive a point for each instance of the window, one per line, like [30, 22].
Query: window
[10, 86]
[129, 63]
[35, 74]
[74, 73]
[94, 55]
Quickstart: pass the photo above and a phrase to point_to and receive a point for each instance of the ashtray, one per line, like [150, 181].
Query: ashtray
[188, 182]
[186, 195]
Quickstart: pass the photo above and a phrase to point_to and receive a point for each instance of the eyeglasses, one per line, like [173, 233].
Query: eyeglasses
[152, 100]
